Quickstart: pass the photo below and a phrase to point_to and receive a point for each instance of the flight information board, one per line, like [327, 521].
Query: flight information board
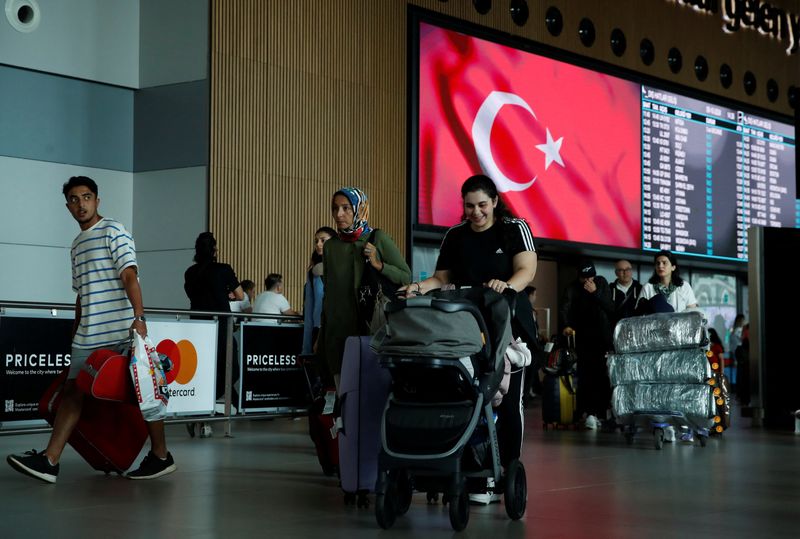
[709, 173]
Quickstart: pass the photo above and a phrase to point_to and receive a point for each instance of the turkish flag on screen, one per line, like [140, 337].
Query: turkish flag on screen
[562, 143]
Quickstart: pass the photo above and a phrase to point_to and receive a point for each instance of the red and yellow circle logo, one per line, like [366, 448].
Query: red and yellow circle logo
[184, 360]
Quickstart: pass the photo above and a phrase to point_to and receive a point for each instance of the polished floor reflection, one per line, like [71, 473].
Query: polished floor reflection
[265, 482]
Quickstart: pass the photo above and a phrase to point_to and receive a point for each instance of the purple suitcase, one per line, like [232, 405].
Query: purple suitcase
[363, 390]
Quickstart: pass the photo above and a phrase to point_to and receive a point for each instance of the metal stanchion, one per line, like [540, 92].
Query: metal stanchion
[228, 374]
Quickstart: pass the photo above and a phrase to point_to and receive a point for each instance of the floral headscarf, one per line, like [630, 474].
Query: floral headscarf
[358, 199]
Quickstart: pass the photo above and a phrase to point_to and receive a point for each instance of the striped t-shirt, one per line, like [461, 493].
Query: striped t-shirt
[99, 255]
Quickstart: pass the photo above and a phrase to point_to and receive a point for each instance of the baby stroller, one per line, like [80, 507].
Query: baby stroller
[446, 365]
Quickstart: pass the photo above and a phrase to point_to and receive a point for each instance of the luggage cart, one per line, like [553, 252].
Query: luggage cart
[656, 421]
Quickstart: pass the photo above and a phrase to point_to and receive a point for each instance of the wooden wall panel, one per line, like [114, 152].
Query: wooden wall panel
[307, 97]
[310, 95]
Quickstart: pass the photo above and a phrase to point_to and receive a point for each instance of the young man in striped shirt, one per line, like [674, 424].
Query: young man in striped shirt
[107, 308]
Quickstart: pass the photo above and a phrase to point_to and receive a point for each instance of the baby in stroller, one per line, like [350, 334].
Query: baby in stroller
[445, 352]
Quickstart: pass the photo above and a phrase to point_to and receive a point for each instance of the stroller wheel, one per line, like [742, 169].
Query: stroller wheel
[432, 497]
[405, 490]
[385, 500]
[459, 510]
[629, 438]
[702, 440]
[516, 491]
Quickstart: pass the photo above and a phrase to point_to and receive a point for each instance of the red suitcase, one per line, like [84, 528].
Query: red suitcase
[321, 424]
[109, 435]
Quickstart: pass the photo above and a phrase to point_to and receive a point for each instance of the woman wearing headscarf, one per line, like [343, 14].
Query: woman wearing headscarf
[344, 258]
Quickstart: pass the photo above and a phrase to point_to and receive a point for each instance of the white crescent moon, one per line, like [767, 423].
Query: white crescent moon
[481, 134]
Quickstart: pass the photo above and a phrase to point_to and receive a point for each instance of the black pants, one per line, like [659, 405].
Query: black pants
[594, 387]
[510, 420]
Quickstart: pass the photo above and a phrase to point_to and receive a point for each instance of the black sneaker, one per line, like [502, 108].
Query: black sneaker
[34, 464]
[152, 467]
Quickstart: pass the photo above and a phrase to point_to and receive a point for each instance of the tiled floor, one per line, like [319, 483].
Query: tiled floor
[266, 482]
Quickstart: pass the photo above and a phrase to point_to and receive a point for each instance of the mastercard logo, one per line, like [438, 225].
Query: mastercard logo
[184, 360]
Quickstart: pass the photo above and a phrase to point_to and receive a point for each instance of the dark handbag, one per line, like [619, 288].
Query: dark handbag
[562, 358]
[374, 292]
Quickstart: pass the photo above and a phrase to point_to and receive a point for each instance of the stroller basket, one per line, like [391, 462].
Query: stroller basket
[424, 429]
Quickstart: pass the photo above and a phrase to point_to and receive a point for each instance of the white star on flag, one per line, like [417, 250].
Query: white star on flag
[550, 150]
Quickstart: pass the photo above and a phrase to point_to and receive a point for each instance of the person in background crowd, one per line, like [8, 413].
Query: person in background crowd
[344, 258]
[587, 312]
[734, 342]
[742, 354]
[245, 305]
[314, 291]
[625, 291]
[493, 249]
[108, 307]
[272, 301]
[667, 282]
[668, 288]
[533, 384]
[717, 349]
[208, 284]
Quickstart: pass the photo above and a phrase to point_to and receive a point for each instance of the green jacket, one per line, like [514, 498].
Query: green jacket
[343, 265]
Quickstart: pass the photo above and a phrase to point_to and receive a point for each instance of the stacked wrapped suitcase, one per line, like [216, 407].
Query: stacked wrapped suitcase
[661, 376]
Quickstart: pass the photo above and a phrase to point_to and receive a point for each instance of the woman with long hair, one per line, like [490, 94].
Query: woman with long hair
[314, 291]
[208, 284]
[493, 249]
[667, 282]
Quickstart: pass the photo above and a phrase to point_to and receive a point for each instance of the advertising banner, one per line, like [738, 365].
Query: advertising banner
[34, 351]
[192, 347]
[272, 376]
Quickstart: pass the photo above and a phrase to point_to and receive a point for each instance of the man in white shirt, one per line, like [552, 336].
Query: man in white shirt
[273, 301]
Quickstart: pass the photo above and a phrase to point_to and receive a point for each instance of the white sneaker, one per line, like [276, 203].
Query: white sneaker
[687, 436]
[669, 434]
[591, 422]
[484, 498]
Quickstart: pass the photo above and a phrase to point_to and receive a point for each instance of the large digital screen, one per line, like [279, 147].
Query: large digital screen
[561, 142]
[709, 173]
[592, 158]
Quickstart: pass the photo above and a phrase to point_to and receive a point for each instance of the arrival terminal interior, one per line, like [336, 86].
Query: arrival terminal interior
[617, 130]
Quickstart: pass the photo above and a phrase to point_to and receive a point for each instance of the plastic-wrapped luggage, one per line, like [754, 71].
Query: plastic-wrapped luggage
[684, 366]
[662, 331]
[661, 376]
[693, 400]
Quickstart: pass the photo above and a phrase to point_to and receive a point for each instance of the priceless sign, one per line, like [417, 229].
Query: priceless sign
[34, 351]
[272, 376]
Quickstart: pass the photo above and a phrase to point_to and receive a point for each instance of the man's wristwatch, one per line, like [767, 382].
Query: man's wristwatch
[508, 285]
[139, 319]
